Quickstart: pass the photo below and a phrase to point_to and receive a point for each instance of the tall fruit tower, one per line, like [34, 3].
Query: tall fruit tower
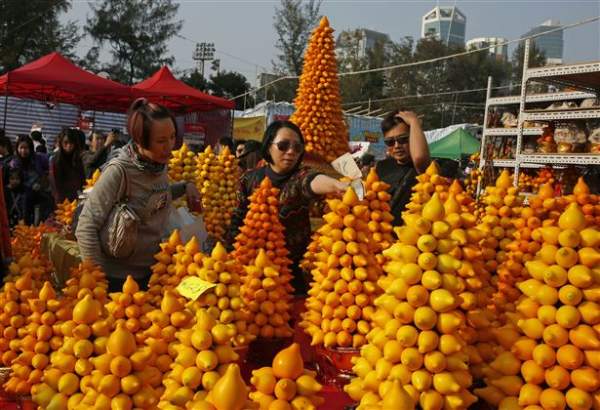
[318, 104]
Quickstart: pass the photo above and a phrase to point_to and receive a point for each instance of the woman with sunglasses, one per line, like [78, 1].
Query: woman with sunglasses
[283, 149]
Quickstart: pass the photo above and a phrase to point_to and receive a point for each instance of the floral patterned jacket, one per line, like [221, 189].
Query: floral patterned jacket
[295, 196]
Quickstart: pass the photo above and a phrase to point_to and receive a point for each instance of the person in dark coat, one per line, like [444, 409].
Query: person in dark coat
[407, 156]
[66, 168]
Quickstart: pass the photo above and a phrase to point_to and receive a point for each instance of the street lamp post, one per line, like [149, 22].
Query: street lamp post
[203, 52]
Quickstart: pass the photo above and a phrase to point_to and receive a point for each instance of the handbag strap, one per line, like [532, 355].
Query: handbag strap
[127, 185]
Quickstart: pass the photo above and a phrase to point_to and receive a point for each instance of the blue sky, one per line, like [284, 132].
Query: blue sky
[245, 39]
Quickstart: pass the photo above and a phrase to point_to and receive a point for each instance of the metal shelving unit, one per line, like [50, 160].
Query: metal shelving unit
[583, 77]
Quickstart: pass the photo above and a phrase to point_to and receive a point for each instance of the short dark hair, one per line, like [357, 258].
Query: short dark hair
[6, 142]
[140, 116]
[390, 121]
[226, 142]
[271, 133]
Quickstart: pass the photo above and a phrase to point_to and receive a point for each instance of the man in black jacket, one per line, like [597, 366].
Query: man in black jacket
[407, 156]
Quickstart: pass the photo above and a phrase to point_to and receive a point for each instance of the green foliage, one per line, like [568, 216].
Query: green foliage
[196, 80]
[293, 21]
[137, 33]
[229, 84]
[30, 29]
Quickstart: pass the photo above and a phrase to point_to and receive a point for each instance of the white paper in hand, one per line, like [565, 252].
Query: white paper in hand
[359, 188]
[346, 166]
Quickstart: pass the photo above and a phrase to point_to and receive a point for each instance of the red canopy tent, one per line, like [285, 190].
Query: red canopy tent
[179, 97]
[54, 78]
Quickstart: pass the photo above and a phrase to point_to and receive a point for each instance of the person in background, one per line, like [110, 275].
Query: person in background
[6, 149]
[17, 199]
[225, 142]
[138, 177]
[407, 156]
[367, 161]
[66, 167]
[251, 155]
[33, 168]
[239, 147]
[39, 142]
[283, 149]
[97, 155]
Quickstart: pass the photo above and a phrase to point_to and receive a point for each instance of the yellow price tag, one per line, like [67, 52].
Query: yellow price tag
[192, 287]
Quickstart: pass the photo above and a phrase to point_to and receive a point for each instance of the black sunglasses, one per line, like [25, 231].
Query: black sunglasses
[400, 139]
[285, 145]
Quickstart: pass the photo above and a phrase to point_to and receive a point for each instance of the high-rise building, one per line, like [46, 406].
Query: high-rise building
[552, 43]
[447, 24]
[497, 48]
[364, 40]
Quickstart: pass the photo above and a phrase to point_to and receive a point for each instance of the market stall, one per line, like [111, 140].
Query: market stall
[469, 303]
[205, 118]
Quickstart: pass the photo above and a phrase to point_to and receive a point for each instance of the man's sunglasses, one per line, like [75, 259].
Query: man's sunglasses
[284, 146]
[400, 139]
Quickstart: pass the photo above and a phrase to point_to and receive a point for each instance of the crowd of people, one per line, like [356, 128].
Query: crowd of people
[134, 178]
[36, 179]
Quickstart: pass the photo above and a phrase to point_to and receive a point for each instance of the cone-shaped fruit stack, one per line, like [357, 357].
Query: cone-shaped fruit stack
[380, 218]
[522, 248]
[379, 223]
[266, 293]
[344, 279]
[182, 165]
[131, 306]
[416, 337]
[204, 161]
[163, 270]
[203, 355]
[263, 230]
[287, 383]
[31, 359]
[26, 241]
[560, 329]
[16, 310]
[219, 197]
[64, 212]
[224, 301]
[318, 105]
[427, 184]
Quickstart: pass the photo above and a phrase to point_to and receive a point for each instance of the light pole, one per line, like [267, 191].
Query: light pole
[203, 52]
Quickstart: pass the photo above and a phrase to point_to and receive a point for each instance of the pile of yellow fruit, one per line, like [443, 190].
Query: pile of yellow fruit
[418, 330]
[64, 212]
[556, 353]
[203, 354]
[26, 240]
[266, 293]
[219, 191]
[318, 104]
[163, 271]
[224, 301]
[90, 182]
[182, 164]
[286, 385]
[340, 301]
